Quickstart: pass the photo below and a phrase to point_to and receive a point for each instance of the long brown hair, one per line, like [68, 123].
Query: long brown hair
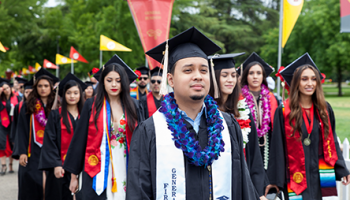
[3, 96]
[232, 100]
[245, 74]
[34, 95]
[318, 100]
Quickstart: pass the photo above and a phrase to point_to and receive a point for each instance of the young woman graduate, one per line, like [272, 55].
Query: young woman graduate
[33, 118]
[89, 91]
[8, 102]
[229, 100]
[305, 158]
[100, 144]
[261, 102]
[27, 89]
[59, 131]
[188, 149]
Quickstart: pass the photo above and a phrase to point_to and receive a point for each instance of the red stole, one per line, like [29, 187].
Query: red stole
[295, 151]
[273, 107]
[5, 120]
[20, 106]
[66, 137]
[38, 131]
[151, 105]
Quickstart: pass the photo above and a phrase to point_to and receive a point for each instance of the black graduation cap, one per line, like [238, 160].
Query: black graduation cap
[70, 77]
[21, 80]
[157, 71]
[29, 84]
[116, 60]
[11, 84]
[254, 57]
[144, 70]
[288, 72]
[4, 81]
[89, 83]
[224, 61]
[43, 71]
[190, 43]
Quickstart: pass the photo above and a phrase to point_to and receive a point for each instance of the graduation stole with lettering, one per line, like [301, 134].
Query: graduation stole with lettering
[5, 119]
[151, 105]
[66, 137]
[37, 128]
[296, 159]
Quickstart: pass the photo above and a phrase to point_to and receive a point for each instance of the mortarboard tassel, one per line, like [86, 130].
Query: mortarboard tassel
[283, 90]
[215, 84]
[241, 69]
[163, 86]
[114, 185]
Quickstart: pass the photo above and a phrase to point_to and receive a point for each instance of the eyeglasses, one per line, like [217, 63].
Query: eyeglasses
[144, 78]
[154, 81]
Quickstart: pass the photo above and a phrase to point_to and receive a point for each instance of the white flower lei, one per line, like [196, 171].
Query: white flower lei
[244, 111]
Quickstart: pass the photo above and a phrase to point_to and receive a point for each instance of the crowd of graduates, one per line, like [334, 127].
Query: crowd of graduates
[220, 134]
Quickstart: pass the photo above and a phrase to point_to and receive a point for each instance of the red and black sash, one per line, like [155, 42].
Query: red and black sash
[38, 130]
[273, 107]
[151, 105]
[295, 151]
[5, 119]
[20, 106]
[92, 152]
[66, 137]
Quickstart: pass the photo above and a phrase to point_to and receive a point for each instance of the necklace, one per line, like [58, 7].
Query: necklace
[185, 140]
[40, 113]
[309, 126]
[243, 119]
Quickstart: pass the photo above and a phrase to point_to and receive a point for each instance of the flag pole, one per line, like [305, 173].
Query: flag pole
[57, 71]
[72, 67]
[280, 48]
[100, 58]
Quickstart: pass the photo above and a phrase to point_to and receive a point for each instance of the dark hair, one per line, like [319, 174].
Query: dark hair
[232, 100]
[318, 100]
[93, 92]
[3, 96]
[125, 97]
[64, 112]
[244, 80]
[34, 95]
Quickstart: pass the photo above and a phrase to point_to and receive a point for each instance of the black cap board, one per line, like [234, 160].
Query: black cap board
[288, 72]
[116, 60]
[29, 84]
[224, 61]
[254, 57]
[21, 80]
[4, 81]
[70, 77]
[43, 71]
[89, 83]
[190, 43]
[157, 71]
[144, 70]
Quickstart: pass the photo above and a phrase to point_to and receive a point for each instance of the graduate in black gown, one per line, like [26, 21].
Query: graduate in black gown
[229, 100]
[158, 169]
[89, 91]
[305, 158]
[141, 89]
[100, 146]
[151, 102]
[27, 89]
[33, 118]
[8, 102]
[59, 131]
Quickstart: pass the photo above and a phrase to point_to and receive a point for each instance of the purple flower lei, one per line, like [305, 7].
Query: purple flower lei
[40, 114]
[265, 125]
[185, 140]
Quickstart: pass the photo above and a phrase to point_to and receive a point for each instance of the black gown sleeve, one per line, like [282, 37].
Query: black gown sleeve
[75, 157]
[14, 124]
[340, 167]
[143, 103]
[254, 160]
[139, 110]
[22, 131]
[276, 170]
[50, 151]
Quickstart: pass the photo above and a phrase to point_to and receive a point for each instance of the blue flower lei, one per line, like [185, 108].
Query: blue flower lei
[185, 140]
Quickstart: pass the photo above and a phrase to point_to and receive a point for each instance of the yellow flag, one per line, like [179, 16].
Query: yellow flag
[291, 12]
[24, 71]
[61, 60]
[37, 66]
[2, 48]
[107, 44]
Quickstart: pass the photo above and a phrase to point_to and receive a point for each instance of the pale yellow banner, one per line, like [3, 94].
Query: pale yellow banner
[37, 66]
[291, 12]
[2, 48]
[107, 44]
[61, 60]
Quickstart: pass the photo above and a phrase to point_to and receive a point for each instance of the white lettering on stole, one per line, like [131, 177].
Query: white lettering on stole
[173, 184]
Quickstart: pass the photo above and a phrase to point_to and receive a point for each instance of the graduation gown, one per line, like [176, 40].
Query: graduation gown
[277, 173]
[30, 178]
[254, 160]
[75, 158]
[13, 136]
[141, 182]
[143, 102]
[55, 189]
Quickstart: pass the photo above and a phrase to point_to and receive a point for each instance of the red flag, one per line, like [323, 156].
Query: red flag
[152, 19]
[74, 54]
[345, 16]
[6, 48]
[49, 65]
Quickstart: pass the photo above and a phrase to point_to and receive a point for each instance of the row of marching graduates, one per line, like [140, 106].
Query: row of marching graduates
[221, 133]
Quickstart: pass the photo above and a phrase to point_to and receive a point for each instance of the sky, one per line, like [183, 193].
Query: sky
[52, 3]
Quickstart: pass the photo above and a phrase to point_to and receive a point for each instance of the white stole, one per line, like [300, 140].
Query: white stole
[170, 175]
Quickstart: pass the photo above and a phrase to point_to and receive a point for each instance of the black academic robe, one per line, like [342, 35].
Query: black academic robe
[277, 173]
[141, 182]
[254, 160]
[55, 189]
[30, 178]
[4, 132]
[75, 158]
[13, 136]
[143, 102]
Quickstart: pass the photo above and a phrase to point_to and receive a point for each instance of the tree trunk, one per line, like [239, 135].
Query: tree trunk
[340, 78]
